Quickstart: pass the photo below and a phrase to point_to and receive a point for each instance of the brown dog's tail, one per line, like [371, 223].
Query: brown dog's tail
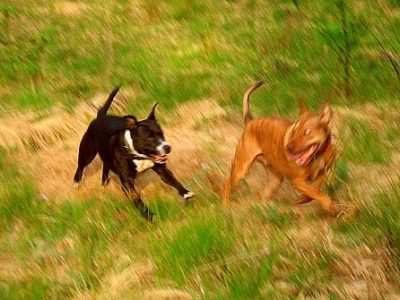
[246, 113]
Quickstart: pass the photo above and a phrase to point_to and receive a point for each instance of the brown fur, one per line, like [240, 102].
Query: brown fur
[280, 146]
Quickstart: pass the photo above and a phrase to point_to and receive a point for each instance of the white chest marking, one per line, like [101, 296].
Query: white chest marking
[143, 164]
[129, 143]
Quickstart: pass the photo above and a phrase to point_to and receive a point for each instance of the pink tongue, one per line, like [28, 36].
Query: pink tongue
[303, 157]
[292, 156]
[159, 157]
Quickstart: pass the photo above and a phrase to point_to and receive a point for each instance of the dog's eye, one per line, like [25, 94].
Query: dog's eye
[307, 131]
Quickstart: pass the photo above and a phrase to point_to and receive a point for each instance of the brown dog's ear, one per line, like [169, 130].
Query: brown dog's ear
[303, 108]
[326, 113]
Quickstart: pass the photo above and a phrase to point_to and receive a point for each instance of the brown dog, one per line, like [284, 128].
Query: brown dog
[301, 151]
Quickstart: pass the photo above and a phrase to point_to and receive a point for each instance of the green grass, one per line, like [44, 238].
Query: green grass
[193, 245]
[367, 144]
[378, 224]
[174, 52]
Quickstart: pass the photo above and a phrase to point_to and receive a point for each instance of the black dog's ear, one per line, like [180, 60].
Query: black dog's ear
[152, 115]
[130, 122]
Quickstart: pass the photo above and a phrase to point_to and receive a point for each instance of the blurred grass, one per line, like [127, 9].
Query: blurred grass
[179, 253]
[368, 144]
[55, 52]
[179, 51]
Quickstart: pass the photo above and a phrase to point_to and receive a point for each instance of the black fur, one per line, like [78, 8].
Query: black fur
[106, 136]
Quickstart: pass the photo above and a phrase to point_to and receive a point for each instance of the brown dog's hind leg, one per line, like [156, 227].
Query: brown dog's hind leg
[246, 151]
[274, 181]
[311, 192]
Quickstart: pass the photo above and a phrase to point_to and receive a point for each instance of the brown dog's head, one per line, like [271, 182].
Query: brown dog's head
[305, 138]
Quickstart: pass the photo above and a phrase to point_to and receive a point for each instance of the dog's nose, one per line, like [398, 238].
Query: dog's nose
[167, 148]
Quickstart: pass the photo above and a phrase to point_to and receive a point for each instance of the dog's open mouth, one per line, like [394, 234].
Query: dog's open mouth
[304, 156]
[159, 159]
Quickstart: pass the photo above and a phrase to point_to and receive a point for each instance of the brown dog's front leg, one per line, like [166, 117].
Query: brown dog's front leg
[309, 191]
[317, 186]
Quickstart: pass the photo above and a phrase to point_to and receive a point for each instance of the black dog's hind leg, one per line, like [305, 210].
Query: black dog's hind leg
[105, 179]
[168, 177]
[87, 152]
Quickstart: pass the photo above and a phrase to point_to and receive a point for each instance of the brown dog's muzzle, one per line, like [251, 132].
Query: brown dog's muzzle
[301, 157]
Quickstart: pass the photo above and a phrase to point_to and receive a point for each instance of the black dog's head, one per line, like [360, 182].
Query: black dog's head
[146, 139]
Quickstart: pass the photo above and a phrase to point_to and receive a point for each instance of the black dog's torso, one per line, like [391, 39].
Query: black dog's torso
[108, 135]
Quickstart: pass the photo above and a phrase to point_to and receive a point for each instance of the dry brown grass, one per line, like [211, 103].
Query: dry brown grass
[71, 9]
[203, 140]
[120, 283]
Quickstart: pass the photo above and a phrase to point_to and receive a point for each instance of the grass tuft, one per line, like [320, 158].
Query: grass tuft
[192, 245]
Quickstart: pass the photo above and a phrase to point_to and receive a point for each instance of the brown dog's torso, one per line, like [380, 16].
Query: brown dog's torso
[269, 136]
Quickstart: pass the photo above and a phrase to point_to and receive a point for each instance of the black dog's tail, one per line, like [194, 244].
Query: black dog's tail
[103, 110]
[246, 112]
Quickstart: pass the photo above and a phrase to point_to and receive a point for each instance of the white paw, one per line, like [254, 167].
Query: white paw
[188, 195]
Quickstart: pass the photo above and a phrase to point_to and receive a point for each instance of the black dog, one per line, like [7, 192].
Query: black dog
[126, 147]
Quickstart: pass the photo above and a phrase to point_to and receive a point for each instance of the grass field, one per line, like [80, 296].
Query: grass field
[60, 59]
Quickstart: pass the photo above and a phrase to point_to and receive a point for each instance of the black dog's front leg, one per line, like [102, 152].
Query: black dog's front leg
[168, 177]
[130, 191]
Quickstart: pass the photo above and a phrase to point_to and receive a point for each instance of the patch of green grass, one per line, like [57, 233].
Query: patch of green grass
[31, 98]
[36, 288]
[198, 242]
[393, 134]
[366, 145]
[378, 224]
[274, 216]
[339, 177]
[313, 269]
[16, 191]
[167, 209]
[246, 281]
